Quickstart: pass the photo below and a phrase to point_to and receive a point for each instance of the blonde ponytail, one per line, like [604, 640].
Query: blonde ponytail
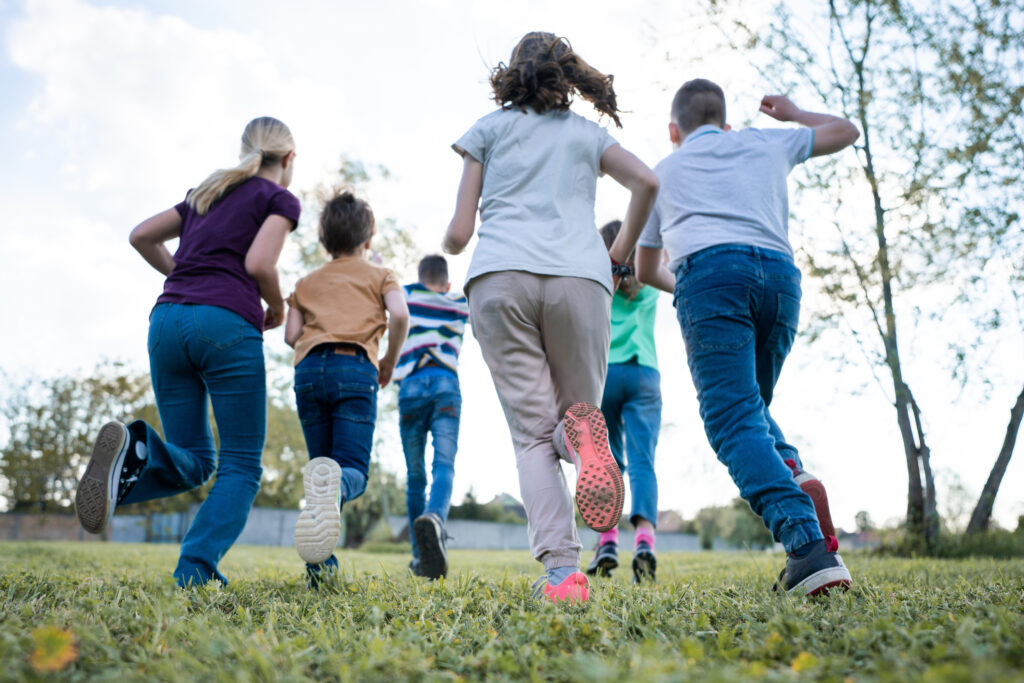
[265, 142]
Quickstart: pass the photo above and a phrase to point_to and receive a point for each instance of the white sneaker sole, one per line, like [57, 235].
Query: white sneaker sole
[319, 524]
[96, 495]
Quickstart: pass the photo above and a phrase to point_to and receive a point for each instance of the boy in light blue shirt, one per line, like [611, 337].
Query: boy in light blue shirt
[722, 214]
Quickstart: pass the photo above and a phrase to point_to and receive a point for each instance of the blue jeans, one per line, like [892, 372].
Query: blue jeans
[632, 409]
[429, 401]
[200, 355]
[336, 397]
[738, 307]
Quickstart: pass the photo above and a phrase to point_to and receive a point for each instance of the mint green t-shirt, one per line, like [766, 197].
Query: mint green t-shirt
[633, 328]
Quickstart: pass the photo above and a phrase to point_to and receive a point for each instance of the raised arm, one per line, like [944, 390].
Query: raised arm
[460, 230]
[149, 236]
[831, 133]
[398, 330]
[261, 263]
[635, 176]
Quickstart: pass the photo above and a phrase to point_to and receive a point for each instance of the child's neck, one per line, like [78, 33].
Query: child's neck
[355, 253]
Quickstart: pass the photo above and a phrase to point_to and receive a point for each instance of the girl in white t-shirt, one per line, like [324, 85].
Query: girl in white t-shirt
[540, 284]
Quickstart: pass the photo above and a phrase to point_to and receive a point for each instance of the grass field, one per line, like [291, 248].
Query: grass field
[111, 612]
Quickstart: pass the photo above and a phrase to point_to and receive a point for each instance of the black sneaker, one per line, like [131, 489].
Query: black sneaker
[606, 558]
[645, 564]
[430, 538]
[118, 458]
[814, 573]
[414, 567]
[318, 575]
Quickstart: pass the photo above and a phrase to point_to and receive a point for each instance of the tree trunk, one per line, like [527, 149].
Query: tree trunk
[983, 510]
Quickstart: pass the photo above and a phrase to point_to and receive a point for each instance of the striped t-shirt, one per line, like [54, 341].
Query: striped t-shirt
[436, 325]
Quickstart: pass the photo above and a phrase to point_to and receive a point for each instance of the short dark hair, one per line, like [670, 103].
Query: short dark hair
[697, 103]
[433, 270]
[345, 222]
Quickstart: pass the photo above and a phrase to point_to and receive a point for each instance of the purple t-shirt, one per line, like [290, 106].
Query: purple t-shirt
[209, 265]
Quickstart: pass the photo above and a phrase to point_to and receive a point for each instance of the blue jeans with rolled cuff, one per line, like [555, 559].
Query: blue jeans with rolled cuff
[201, 356]
[738, 307]
[429, 402]
[632, 409]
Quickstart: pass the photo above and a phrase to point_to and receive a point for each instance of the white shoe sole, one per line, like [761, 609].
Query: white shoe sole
[96, 495]
[319, 524]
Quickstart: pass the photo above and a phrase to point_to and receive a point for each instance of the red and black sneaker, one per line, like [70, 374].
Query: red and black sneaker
[599, 489]
[815, 573]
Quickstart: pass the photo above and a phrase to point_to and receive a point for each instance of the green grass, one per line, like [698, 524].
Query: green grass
[712, 617]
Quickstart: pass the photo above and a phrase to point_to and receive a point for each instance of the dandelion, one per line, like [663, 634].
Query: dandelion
[803, 662]
[55, 649]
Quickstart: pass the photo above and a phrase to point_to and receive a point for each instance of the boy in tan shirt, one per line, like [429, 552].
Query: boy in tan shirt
[337, 316]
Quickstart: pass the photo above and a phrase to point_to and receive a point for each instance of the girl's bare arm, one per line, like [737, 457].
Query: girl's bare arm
[460, 230]
[642, 184]
[149, 236]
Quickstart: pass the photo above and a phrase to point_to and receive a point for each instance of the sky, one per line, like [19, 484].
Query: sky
[112, 110]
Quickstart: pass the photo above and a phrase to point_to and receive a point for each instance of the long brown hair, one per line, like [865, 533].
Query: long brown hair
[543, 72]
[628, 285]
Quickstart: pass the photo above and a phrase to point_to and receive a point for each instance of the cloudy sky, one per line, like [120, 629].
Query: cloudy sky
[112, 110]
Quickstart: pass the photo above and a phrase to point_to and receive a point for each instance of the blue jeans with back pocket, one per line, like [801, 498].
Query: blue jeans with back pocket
[201, 356]
[738, 307]
[336, 397]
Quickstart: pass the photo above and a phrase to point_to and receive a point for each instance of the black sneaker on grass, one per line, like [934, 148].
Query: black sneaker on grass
[645, 564]
[430, 539]
[321, 574]
[815, 573]
[118, 458]
[606, 558]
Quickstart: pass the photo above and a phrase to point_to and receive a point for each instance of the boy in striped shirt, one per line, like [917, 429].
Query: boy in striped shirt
[429, 400]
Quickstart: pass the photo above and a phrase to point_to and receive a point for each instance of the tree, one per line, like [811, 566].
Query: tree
[928, 208]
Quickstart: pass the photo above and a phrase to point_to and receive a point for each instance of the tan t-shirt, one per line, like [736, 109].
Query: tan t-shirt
[343, 302]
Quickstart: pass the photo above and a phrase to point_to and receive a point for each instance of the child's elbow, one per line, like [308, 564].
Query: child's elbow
[852, 133]
[648, 183]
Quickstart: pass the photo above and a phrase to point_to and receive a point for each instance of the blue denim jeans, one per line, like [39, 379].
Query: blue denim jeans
[738, 307]
[429, 401]
[632, 409]
[200, 355]
[336, 397]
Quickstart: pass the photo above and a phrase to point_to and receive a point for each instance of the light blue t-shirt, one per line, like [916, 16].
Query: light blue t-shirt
[726, 188]
[537, 201]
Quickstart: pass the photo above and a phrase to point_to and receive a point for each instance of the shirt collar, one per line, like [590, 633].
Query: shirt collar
[701, 131]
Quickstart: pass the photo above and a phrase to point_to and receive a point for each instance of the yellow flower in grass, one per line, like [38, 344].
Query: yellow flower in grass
[55, 649]
[803, 662]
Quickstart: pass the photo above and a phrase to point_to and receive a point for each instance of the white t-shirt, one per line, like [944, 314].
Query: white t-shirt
[537, 201]
[726, 188]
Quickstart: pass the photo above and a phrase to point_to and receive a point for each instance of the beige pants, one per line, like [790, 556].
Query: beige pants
[545, 340]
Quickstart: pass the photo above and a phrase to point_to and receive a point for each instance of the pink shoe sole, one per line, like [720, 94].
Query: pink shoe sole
[575, 588]
[599, 489]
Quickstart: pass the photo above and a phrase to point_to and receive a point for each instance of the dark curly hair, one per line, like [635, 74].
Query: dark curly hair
[543, 72]
[345, 223]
